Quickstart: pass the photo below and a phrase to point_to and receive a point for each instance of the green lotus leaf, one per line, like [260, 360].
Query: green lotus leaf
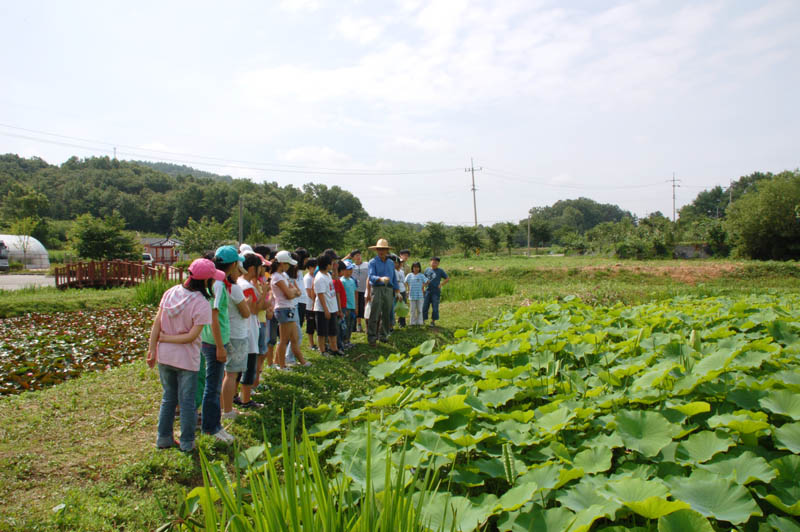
[787, 437]
[445, 512]
[552, 520]
[550, 476]
[491, 384]
[721, 499]
[384, 369]
[746, 398]
[386, 397]
[515, 432]
[323, 429]
[655, 507]
[784, 496]
[782, 402]
[553, 422]
[467, 476]
[507, 374]
[465, 439]
[523, 416]
[408, 421]
[499, 397]
[426, 348]
[593, 460]
[684, 521]
[645, 432]
[742, 421]
[631, 489]
[783, 524]
[612, 441]
[788, 467]
[521, 493]
[653, 377]
[445, 405]
[742, 469]
[782, 332]
[702, 446]
[585, 495]
[430, 441]
[693, 408]
[585, 519]
[464, 348]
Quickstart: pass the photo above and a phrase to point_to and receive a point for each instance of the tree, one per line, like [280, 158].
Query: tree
[312, 227]
[434, 237]
[198, 237]
[510, 234]
[363, 234]
[542, 231]
[103, 238]
[763, 224]
[468, 238]
[24, 229]
[494, 235]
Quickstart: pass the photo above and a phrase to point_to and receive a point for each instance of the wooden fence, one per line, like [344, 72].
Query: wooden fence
[110, 273]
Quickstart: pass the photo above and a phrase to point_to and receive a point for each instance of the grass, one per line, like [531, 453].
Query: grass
[86, 447]
[51, 300]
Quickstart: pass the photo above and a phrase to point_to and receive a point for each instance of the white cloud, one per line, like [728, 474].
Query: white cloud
[421, 144]
[319, 157]
[299, 5]
[362, 30]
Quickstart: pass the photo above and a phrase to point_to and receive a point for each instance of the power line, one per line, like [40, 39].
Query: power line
[517, 179]
[230, 163]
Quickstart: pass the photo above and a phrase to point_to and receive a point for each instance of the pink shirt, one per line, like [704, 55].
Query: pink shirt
[281, 301]
[182, 309]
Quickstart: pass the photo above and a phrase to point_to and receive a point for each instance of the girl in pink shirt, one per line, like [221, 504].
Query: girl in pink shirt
[175, 347]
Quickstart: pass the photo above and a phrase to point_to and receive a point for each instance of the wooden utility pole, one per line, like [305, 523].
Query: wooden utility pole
[474, 201]
[529, 233]
[241, 222]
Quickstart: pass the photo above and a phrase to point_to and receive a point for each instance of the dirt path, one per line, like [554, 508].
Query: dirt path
[15, 282]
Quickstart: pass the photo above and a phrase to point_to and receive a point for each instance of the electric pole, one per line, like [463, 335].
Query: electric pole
[674, 186]
[241, 222]
[474, 202]
[529, 233]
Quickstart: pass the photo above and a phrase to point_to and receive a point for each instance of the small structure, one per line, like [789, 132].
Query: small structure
[27, 250]
[163, 250]
[692, 251]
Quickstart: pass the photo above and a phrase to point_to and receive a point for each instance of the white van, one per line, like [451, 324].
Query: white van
[3, 257]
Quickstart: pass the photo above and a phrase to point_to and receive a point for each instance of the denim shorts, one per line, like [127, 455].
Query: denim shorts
[285, 315]
[237, 356]
[263, 338]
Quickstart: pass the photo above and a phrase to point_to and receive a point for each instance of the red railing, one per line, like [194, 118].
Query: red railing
[108, 273]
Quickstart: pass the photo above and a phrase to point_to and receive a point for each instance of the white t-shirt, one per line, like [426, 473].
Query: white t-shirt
[250, 294]
[300, 281]
[323, 287]
[361, 275]
[281, 301]
[308, 284]
[401, 279]
[239, 326]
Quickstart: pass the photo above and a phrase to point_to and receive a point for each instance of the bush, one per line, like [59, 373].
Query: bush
[14, 266]
[150, 291]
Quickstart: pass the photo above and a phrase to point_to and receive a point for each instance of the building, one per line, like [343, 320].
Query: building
[27, 250]
[163, 250]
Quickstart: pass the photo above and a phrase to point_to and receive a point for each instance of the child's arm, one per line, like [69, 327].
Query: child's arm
[216, 332]
[152, 348]
[185, 338]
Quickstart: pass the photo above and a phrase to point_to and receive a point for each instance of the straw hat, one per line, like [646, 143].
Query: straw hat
[382, 244]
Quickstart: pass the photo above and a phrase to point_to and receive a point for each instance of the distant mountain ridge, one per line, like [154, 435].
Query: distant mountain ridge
[176, 170]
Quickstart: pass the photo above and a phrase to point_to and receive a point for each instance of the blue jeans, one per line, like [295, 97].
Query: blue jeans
[212, 410]
[431, 299]
[179, 387]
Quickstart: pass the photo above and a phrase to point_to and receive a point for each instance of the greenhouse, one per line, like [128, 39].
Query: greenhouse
[26, 250]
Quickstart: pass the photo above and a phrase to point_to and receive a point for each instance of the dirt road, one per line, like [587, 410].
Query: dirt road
[15, 282]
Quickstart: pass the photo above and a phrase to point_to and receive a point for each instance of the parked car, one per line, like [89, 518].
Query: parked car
[147, 258]
[3, 257]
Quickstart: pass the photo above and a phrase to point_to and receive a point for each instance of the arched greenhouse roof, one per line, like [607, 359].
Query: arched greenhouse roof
[34, 257]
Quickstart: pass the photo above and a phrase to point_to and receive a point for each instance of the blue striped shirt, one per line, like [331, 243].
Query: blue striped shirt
[415, 282]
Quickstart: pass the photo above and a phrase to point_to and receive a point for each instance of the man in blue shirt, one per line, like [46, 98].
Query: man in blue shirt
[437, 278]
[383, 290]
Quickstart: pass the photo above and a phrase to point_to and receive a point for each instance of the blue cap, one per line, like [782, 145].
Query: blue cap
[228, 254]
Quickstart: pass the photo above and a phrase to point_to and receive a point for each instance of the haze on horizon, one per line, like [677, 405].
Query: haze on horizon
[390, 100]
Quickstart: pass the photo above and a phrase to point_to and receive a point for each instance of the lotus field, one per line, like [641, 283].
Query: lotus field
[676, 415]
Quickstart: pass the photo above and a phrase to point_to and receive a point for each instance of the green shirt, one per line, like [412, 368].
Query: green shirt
[221, 304]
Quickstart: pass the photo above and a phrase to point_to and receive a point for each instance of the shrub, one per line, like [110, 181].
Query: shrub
[14, 266]
[150, 291]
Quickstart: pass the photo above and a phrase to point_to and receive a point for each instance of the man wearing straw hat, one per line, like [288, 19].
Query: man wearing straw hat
[383, 283]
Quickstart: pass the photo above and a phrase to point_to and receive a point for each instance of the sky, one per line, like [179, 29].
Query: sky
[393, 100]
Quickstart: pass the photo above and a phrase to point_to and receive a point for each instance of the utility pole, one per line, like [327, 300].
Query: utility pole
[674, 186]
[529, 233]
[115, 153]
[474, 202]
[241, 222]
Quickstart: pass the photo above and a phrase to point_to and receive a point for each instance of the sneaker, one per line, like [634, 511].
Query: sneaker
[237, 400]
[275, 366]
[328, 353]
[252, 404]
[306, 363]
[314, 348]
[230, 415]
[170, 446]
[194, 446]
[223, 436]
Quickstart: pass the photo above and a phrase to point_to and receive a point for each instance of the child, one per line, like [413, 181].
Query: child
[285, 291]
[256, 295]
[401, 282]
[272, 323]
[265, 315]
[216, 343]
[416, 282]
[325, 306]
[437, 278]
[341, 299]
[351, 289]
[239, 317]
[361, 276]
[175, 346]
[308, 287]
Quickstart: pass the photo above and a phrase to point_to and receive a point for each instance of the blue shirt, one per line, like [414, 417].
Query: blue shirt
[382, 268]
[435, 278]
[415, 282]
[350, 289]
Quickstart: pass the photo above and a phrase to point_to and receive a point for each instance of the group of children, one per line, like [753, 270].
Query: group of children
[241, 308]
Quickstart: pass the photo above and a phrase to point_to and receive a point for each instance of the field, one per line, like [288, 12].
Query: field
[605, 380]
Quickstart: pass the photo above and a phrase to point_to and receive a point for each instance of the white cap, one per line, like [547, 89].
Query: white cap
[245, 248]
[285, 256]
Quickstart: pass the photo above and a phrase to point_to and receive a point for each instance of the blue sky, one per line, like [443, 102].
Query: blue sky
[390, 100]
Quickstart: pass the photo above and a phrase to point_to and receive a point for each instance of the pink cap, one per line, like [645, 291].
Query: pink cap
[264, 261]
[203, 269]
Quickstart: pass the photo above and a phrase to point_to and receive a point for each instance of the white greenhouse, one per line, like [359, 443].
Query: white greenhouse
[27, 250]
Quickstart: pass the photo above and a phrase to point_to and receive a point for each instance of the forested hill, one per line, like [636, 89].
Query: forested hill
[176, 170]
[149, 199]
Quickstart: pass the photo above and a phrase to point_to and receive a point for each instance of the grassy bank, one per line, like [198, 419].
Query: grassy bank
[80, 455]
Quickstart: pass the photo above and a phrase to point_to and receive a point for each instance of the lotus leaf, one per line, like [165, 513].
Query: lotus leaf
[555, 421]
[742, 469]
[693, 408]
[742, 421]
[721, 499]
[430, 441]
[645, 432]
[787, 437]
[384, 369]
[702, 446]
[783, 524]
[443, 511]
[783, 402]
[593, 460]
[445, 405]
[784, 495]
[684, 521]
[551, 520]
